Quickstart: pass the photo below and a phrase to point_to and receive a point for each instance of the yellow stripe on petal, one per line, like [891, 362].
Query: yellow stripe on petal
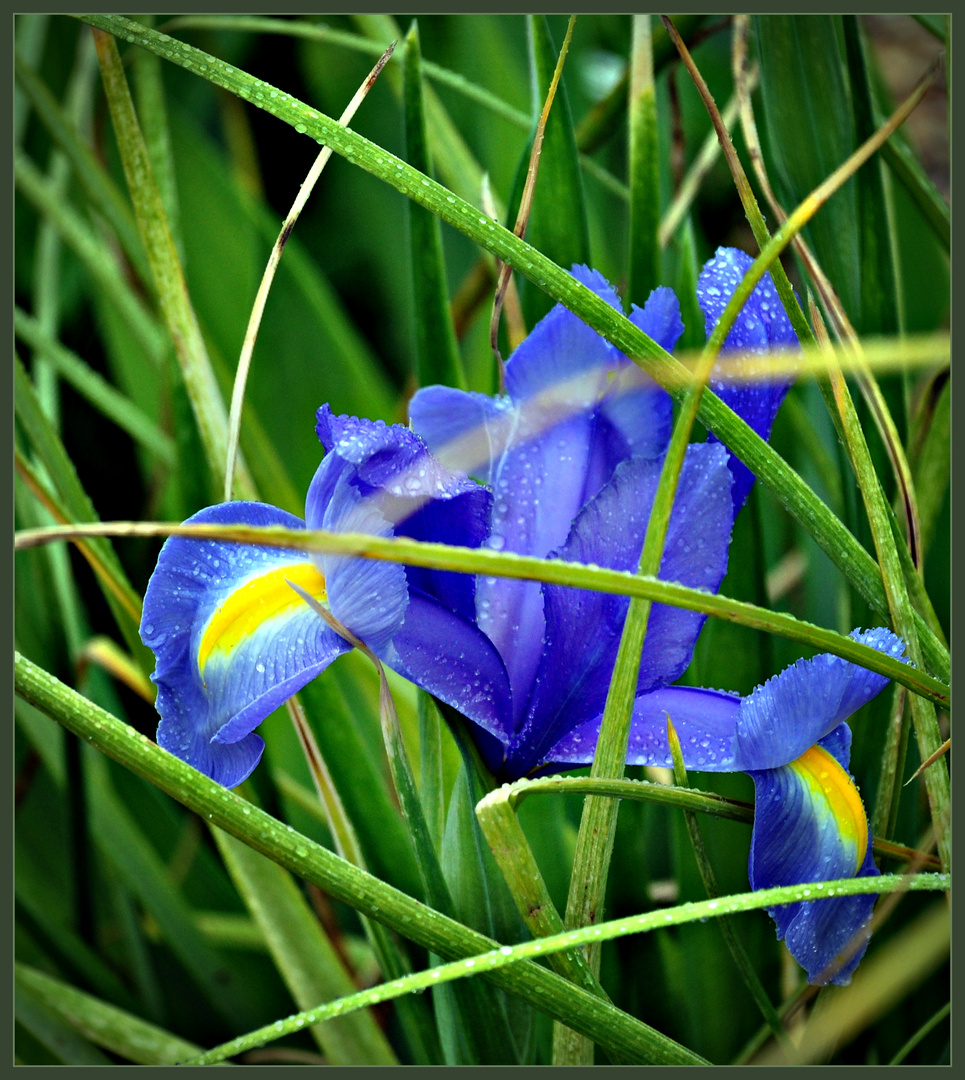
[831, 785]
[254, 603]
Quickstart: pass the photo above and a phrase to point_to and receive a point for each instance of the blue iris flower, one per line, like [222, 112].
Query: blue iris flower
[233, 640]
[573, 453]
[571, 457]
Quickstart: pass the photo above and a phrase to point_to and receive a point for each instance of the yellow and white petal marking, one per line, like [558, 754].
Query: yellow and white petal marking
[249, 607]
[833, 792]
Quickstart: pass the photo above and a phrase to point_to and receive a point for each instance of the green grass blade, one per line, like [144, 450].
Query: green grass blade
[113, 405]
[151, 108]
[30, 37]
[554, 571]
[59, 1039]
[644, 167]
[677, 916]
[557, 222]
[303, 954]
[803, 83]
[437, 352]
[933, 462]
[105, 1025]
[97, 184]
[206, 401]
[902, 615]
[95, 256]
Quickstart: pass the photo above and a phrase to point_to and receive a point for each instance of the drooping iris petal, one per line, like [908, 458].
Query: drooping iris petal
[762, 326]
[810, 826]
[232, 639]
[780, 720]
[583, 628]
[454, 660]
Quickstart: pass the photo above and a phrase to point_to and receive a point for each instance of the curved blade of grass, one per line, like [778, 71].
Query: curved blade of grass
[789, 488]
[652, 920]
[302, 953]
[94, 388]
[507, 564]
[308, 860]
[437, 351]
[105, 1025]
[515, 859]
[206, 401]
[261, 298]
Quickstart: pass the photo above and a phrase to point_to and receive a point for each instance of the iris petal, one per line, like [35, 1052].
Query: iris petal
[257, 652]
[453, 659]
[583, 628]
[780, 720]
[705, 721]
[761, 326]
[396, 482]
[810, 826]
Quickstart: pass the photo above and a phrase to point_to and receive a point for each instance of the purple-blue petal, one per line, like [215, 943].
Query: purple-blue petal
[451, 658]
[705, 722]
[561, 346]
[799, 838]
[208, 720]
[583, 628]
[807, 701]
[762, 326]
[381, 479]
[465, 430]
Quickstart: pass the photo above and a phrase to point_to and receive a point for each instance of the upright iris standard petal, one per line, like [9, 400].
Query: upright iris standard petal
[232, 639]
[762, 326]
